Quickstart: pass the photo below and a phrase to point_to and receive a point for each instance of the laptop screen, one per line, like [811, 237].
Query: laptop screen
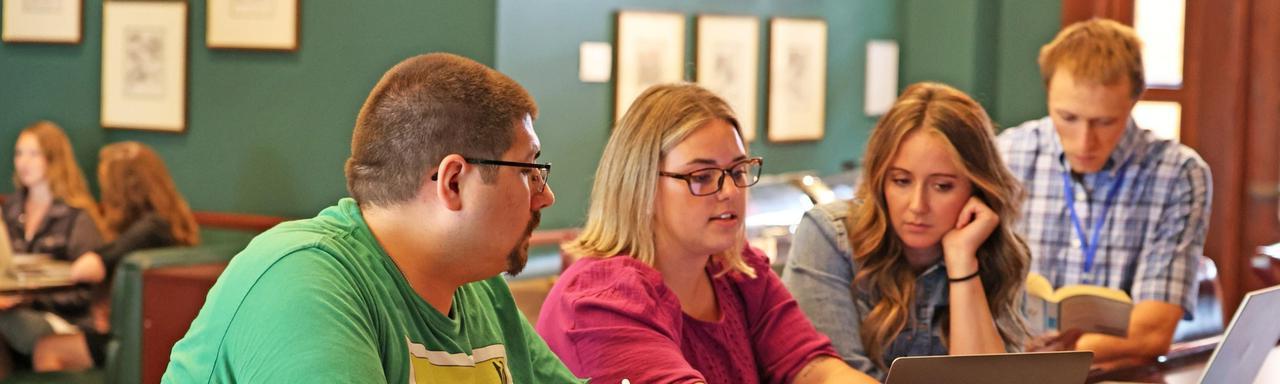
[1006, 368]
[1250, 337]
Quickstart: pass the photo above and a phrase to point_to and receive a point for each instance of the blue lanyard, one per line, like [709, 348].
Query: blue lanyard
[1091, 246]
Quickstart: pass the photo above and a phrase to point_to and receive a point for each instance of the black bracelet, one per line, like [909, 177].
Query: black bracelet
[966, 278]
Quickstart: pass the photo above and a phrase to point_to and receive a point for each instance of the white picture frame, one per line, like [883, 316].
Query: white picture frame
[144, 65]
[728, 64]
[42, 21]
[650, 52]
[797, 79]
[269, 25]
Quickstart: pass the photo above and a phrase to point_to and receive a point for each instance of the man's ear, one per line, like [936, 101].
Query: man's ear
[448, 181]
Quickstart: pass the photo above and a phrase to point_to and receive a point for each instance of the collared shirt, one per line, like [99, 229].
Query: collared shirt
[1153, 234]
[819, 273]
[65, 232]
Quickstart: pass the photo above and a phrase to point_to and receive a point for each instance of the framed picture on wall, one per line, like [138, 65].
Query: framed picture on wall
[144, 65]
[650, 51]
[797, 79]
[42, 21]
[728, 64]
[253, 24]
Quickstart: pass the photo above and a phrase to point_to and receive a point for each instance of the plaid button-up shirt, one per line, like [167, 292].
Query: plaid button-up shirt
[1153, 234]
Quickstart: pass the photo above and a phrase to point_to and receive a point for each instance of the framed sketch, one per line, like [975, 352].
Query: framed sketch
[144, 65]
[253, 24]
[650, 51]
[797, 79]
[728, 64]
[42, 21]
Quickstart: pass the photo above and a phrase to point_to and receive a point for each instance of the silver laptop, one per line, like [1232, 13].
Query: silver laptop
[1253, 333]
[1006, 368]
[29, 271]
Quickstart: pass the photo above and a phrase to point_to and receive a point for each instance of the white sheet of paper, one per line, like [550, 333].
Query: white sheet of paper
[882, 76]
[595, 62]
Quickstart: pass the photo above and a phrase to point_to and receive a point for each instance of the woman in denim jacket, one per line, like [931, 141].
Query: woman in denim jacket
[924, 260]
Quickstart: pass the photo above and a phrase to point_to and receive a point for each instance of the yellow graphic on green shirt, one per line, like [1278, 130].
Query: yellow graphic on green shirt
[487, 365]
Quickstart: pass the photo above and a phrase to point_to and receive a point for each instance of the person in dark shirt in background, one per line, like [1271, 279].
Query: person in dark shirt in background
[141, 208]
[51, 212]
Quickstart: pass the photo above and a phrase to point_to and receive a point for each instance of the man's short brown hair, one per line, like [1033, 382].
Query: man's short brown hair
[1099, 50]
[423, 109]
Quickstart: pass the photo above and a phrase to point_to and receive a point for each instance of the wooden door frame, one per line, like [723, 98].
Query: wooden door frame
[1261, 215]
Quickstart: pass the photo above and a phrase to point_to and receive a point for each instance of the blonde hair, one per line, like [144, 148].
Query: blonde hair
[135, 181]
[621, 217]
[66, 181]
[1099, 50]
[883, 271]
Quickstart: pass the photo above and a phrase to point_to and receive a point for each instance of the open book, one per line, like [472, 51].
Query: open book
[1090, 308]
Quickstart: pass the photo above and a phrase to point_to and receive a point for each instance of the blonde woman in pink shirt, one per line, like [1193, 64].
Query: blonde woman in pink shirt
[666, 291]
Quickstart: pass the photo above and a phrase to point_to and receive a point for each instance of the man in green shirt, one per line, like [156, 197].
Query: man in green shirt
[399, 283]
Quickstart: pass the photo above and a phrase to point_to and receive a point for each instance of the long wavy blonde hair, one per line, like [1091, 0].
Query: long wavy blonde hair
[883, 271]
[66, 181]
[621, 217]
[135, 181]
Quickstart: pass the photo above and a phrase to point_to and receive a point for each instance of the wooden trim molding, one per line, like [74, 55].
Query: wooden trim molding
[1260, 220]
[236, 221]
[259, 223]
[1081, 10]
[552, 236]
[1221, 100]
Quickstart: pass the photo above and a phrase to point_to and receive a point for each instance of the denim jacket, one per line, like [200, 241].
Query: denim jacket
[819, 273]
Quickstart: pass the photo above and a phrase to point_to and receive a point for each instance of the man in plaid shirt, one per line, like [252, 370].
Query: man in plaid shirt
[1108, 203]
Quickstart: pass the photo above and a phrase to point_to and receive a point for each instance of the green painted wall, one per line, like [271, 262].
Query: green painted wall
[950, 41]
[267, 132]
[538, 46]
[986, 48]
[1028, 25]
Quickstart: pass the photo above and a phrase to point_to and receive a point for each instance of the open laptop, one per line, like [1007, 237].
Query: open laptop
[1007, 368]
[1253, 333]
[33, 272]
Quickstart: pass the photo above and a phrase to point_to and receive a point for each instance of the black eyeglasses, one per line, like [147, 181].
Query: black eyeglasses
[537, 180]
[708, 181]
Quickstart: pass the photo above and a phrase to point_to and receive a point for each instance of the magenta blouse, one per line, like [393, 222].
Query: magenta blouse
[613, 319]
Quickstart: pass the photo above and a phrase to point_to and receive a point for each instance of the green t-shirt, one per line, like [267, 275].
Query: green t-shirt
[318, 300]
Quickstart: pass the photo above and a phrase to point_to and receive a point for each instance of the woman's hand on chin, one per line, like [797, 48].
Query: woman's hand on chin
[973, 226]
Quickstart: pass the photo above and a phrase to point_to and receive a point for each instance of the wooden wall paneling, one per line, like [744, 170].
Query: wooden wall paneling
[1261, 217]
[1222, 75]
[1080, 10]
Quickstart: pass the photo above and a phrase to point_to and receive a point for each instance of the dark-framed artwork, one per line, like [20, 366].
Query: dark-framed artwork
[144, 65]
[650, 50]
[728, 63]
[42, 21]
[797, 79]
[271, 25]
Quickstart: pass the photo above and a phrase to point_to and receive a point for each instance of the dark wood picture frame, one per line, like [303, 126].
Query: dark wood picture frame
[144, 65]
[650, 50]
[49, 23]
[256, 25]
[797, 79]
[728, 63]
